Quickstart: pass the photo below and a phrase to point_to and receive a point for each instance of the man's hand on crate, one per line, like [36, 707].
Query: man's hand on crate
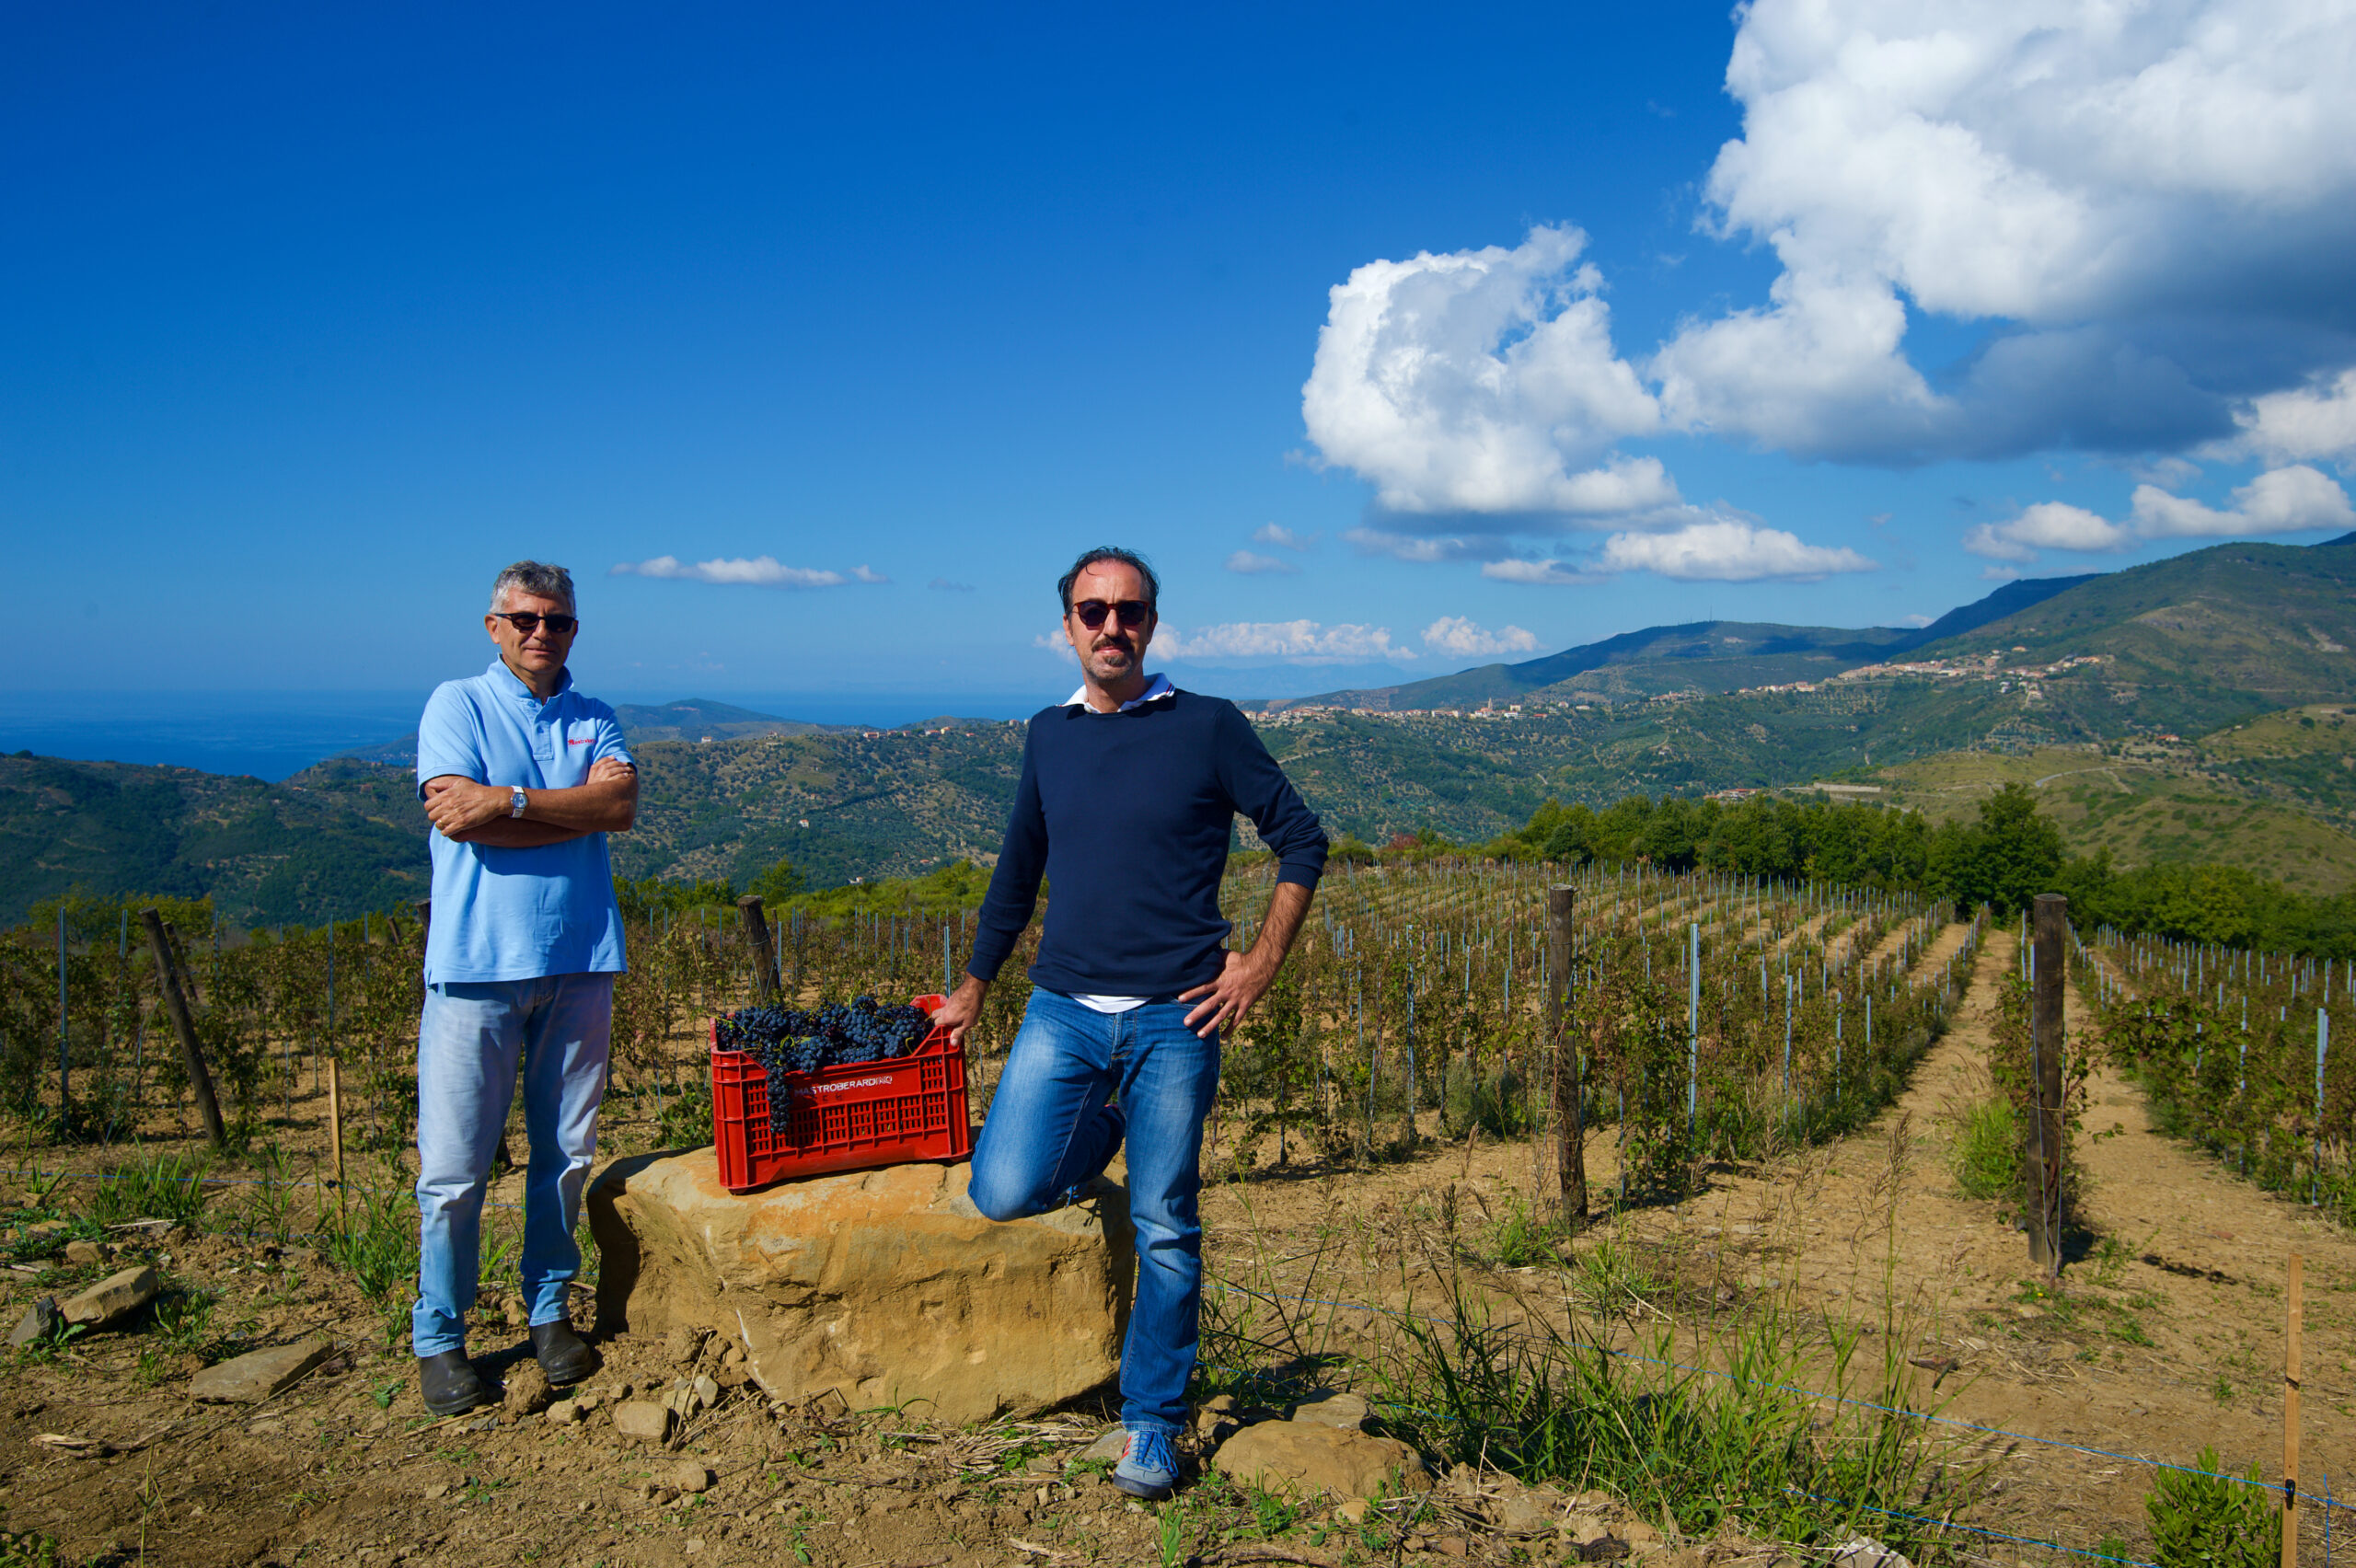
[958, 1013]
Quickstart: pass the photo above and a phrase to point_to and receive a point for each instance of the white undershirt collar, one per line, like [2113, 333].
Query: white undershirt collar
[1156, 688]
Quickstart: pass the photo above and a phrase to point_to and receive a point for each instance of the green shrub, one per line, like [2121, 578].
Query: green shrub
[687, 1117]
[1986, 1158]
[1494, 1101]
[1743, 1447]
[166, 1186]
[376, 1241]
[2211, 1521]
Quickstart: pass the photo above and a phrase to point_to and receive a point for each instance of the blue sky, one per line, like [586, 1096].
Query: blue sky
[314, 318]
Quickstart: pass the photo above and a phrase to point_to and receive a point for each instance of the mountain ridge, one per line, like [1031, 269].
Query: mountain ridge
[1771, 655]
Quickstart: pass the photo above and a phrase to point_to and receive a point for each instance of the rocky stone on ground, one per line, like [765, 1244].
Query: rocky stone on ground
[1324, 1407]
[642, 1419]
[87, 1254]
[884, 1286]
[1523, 1510]
[41, 1321]
[117, 1295]
[528, 1389]
[258, 1376]
[682, 1475]
[1864, 1552]
[1304, 1459]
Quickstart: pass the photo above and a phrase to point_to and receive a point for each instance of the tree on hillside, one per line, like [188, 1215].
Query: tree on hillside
[2005, 860]
[775, 885]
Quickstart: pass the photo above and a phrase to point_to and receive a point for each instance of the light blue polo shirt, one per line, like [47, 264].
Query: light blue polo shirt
[517, 914]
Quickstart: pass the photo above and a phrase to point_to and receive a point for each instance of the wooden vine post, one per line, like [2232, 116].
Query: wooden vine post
[1570, 1143]
[2048, 936]
[757, 931]
[2291, 1420]
[168, 980]
[335, 1129]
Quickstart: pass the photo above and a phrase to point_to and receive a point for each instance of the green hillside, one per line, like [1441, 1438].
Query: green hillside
[2192, 710]
[270, 852]
[2210, 638]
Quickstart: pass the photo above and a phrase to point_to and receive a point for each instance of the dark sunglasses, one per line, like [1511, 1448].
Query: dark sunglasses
[1091, 612]
[527, 622]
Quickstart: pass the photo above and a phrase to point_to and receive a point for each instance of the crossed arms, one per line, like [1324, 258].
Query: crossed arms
[469, 812]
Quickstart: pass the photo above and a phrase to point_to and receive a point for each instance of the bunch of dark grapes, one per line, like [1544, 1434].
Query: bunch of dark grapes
[795, 1040]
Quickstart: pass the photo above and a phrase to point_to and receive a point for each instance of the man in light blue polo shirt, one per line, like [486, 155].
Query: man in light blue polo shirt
[523, 778]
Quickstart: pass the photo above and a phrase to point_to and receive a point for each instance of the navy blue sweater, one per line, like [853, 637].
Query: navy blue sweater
[1128, 815]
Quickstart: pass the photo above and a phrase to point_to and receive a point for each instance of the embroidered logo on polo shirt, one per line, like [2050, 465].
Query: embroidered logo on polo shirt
[583, 741]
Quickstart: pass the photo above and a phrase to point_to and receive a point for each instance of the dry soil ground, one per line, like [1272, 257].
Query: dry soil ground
[2165, 1334]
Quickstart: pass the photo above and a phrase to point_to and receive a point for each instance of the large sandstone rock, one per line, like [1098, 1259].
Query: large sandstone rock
[114, 1297]
[886, 1287]
[1304, 1458]
[259, 1375]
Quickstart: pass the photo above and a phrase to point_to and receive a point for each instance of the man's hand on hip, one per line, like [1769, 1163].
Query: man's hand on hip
[963, 1005]
[1226, 999]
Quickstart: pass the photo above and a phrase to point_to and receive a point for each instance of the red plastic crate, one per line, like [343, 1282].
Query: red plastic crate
[847, 1118]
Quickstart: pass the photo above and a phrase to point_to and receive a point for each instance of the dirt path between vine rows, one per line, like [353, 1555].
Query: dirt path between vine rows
[2165, 1334]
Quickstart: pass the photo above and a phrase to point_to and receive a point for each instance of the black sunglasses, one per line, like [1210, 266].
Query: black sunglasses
[1091, 612]
[529, 622]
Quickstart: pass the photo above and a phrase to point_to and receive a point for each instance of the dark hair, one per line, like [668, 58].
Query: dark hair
[1111, 552]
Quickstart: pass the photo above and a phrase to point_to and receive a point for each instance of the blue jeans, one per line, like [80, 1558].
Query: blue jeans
[469, 1042]
[1052, 1126]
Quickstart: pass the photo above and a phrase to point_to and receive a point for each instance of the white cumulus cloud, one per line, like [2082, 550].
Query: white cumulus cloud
[2137, 199]
[1727, 550]
[1279, 535]
[2312, 423]
[1462, 637]
[760, 572]
[1298, 642]
[2293, 499]
[1705, 548]
[2143, 212]
[1481, 382]
[1251, 563]
[2281, 500]
[2047, 526]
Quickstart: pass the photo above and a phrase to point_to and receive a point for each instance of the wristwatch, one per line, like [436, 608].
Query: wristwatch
[516, 801]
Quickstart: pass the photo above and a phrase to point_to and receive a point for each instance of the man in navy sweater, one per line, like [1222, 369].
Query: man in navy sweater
[1129, 792]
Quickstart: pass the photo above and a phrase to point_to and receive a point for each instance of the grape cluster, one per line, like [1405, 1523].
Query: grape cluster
[795, 1040]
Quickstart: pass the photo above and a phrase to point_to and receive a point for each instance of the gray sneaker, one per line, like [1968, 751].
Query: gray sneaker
[1149, 1467]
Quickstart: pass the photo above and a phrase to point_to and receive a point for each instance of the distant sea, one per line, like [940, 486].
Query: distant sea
[273, 735]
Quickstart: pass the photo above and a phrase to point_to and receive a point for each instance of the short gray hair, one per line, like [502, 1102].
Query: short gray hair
[536, 578]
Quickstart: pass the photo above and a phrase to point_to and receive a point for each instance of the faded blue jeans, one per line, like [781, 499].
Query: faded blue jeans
[470, 1040]
[1053, 1125]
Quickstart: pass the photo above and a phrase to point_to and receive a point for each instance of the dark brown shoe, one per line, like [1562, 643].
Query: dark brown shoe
[562, 1354]
[449, 1384]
